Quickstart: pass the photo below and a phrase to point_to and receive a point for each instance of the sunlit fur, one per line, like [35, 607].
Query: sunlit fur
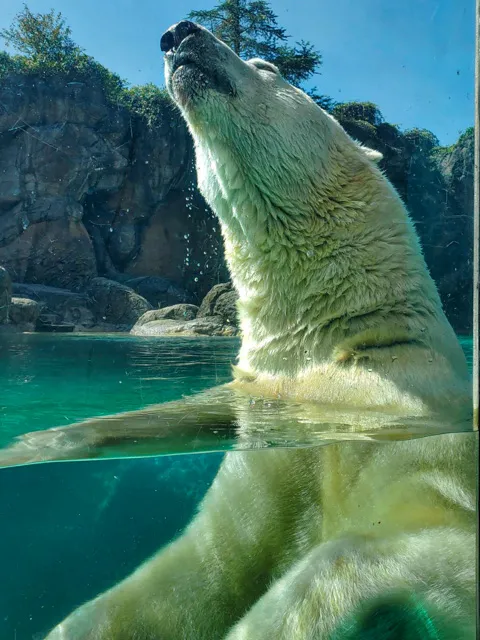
[334, 291]
[336, 307]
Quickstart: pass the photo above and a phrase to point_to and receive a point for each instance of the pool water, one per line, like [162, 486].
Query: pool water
[51, 380]
[70, 531]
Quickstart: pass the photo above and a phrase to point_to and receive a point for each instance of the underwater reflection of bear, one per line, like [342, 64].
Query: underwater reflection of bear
[339, 316]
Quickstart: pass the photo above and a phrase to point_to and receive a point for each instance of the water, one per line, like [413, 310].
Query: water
[51, 380]
[54, 381]
[114, 513]
[70, 531]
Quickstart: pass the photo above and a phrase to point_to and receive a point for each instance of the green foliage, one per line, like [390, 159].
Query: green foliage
[423, 139]
[251, 29]
[43, 39]
[46, 48]
[441, 152]
[147, 101]
[298, 63]
[7, 64]
[366, 111]
[388, 132]
[467, 136]
[111, 83]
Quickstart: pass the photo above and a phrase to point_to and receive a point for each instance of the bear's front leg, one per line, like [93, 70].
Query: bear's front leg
[198, 587]
[196, 423]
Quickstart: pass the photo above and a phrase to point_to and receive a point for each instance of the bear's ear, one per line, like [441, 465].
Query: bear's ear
[264, 65]
[372, 154]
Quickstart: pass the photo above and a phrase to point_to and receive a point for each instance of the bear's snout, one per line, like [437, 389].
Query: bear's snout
[174, 36]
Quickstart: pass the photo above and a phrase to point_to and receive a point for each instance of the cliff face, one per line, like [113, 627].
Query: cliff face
[88, 188]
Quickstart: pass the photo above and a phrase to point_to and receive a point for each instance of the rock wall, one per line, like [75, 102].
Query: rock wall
[88, 189]
[5, 295]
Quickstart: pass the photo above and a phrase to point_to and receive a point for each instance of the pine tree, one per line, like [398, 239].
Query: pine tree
[251, 29]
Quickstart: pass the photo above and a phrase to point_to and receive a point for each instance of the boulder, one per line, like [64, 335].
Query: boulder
[220, 301]
[5, 295]
[58, 306]
[24, 313]
[182, 312]
[209, 326]
[116, 304]
[226, 307]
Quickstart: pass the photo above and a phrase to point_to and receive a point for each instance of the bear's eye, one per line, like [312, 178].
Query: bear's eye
[264, 66]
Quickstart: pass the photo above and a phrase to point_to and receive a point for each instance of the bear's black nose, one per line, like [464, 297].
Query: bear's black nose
[176, 34]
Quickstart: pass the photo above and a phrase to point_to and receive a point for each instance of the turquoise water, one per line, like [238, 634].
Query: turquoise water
[51, 380]
[70, 531]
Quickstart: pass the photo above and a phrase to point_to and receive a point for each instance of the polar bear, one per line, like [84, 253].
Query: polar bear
[343, 337]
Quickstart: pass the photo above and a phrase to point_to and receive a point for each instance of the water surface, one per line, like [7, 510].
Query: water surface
[54, 380]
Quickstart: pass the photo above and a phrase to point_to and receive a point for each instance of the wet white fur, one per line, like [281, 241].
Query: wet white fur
[337, 308]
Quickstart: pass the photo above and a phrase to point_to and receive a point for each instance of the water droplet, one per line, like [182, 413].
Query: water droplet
[196, 279]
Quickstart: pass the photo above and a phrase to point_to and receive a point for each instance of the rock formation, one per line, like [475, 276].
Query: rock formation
[90, 189]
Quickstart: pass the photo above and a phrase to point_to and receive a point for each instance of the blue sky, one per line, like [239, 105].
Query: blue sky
[414, 58]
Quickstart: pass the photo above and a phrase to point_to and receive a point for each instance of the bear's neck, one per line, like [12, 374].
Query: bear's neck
[310, 280]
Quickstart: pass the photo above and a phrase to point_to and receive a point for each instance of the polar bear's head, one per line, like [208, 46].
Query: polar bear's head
[273, 129]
